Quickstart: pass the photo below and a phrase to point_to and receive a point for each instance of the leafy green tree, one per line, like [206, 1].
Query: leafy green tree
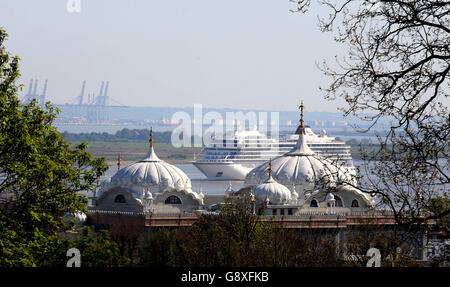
[41, 175]
[163, 249]
[98, 250]
[236, 237]
[397, 248]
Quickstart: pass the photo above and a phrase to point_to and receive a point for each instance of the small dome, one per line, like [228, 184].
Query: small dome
[78, 217]
[273, 191]
[330, 197]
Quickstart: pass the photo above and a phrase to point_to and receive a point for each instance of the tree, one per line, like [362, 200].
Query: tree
[127, 235]
[163, 250]
[397, 73]
[236, 237]
[41, 175]
[396, 248]
[98, 250]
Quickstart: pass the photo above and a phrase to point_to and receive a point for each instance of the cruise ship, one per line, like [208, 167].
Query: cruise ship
[231, 157]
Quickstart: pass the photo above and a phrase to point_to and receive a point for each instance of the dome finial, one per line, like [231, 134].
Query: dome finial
[118, 162]
[151, 155]
[270, 168]
[301, 127]
[301, 147]
[151, 137]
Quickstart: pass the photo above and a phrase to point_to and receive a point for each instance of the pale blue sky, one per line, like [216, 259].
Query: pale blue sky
[249, 54]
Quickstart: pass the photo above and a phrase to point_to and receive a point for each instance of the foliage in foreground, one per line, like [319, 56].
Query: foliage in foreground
[41, 175]
[397, 70]
[237, 238]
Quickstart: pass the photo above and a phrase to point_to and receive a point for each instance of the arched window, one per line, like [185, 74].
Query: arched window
[120, 199]
[314, 203]
[173, 200]
[339, 202]
[355, 203]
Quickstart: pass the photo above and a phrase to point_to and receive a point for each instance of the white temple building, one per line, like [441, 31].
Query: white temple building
[298, 190]
[300, 179]
[149, 186]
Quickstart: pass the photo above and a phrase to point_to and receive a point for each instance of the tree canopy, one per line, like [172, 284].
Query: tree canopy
[397, 69]
[41, 175]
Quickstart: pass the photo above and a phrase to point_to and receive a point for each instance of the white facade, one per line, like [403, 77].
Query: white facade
[313, 183]
[150, 186]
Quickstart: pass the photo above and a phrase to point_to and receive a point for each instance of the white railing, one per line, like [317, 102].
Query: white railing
[301, 214]
[114, 212]
[372, 213]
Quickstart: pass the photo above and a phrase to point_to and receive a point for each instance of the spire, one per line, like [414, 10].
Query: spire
[302, 126]
[151, 137]
[270, 168]
[151, 155]
[270, 178]
[301, 148]
[118, 162]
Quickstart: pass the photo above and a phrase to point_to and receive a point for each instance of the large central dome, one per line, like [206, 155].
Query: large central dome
[300, 169]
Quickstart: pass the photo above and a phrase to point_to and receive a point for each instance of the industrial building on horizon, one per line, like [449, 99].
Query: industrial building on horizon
[32, 93]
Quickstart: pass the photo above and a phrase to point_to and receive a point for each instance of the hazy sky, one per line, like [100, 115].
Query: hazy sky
[249, 54]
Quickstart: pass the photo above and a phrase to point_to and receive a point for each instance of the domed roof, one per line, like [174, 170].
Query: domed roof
[330, 197]
[276, 193]
[78, 218]
[273, 191]
[300, 167]
[151, 174]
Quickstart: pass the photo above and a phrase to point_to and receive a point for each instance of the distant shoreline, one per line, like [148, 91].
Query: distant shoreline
[131, 152]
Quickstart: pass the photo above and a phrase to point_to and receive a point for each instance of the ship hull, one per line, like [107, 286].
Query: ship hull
[225, 171]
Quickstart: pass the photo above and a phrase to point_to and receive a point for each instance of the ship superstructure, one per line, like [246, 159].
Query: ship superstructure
[235, 154]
